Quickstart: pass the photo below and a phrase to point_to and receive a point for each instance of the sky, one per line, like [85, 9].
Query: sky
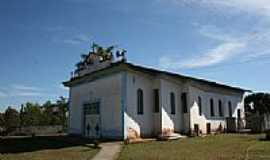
[226, 41]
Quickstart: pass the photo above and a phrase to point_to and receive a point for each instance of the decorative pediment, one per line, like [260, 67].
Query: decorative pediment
[98, 58]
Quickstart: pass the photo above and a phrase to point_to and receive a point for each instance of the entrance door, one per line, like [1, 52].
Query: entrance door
[208, 128]
[196, 129]
[92, 127]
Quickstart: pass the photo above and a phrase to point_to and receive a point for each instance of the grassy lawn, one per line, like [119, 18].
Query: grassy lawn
[220, 147]
[46, 148]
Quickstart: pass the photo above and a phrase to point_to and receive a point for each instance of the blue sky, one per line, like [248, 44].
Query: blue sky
[225, 41]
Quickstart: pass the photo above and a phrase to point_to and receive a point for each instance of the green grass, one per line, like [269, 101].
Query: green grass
[46, 148]
[220, 147]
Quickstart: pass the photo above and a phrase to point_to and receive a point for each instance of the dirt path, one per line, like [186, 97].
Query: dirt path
[109, 151]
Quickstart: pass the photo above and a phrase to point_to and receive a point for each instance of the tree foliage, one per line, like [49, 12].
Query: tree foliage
[34, 114]
[63, 109]
[31, 114]
[11, 119]
[261, 103]
[2, 120]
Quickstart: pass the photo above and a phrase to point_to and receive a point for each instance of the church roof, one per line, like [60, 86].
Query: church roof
[154, 72]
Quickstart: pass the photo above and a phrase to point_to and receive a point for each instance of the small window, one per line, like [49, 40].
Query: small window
[220, 108]
[230, 108]
[212, 110]
[140, 101]
[172, 98]
[184, 102]
[200, 105]
[156, 100]
[91, 108]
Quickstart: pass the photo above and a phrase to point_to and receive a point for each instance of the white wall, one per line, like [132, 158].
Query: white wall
[107, 90]
[170, 121]
[206, 95]
[143, 124]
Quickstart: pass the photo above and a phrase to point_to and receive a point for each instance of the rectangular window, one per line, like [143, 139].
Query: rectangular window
[200, 105]
[184, 102]
[140, 101]
[212, 110]
[230, 108]
[92, 108]
[220, 108]
[156, 100]
[172, 97]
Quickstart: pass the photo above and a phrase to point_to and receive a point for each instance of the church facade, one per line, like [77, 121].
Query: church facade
[120, 100]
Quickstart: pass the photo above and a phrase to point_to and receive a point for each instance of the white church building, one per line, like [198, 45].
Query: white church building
[120, 100]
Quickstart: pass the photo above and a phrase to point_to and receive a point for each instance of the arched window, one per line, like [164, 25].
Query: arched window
[220, 108]
[184, 102]
[156, 100]
[140, 101]
[172, 98]
[230, 108]
[200, 105]
[212, 110]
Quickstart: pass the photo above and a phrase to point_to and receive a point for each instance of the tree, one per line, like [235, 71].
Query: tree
[63, 108]
[54, 113]
[12, 119]
[31, 114]
[2, 121]
[261, 103]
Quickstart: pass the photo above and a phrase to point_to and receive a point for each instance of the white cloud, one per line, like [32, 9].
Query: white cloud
[244, 45]
[25, 88]
[25, 91]
[26, 94]
[260, 7]
[214, 56]
[212, 32]
[77, 40]
[19, 90]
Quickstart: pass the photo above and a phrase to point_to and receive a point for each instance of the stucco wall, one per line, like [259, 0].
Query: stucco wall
[171, 121]
[116, 98]
[235, 99]
[107, 90]
[144, 124]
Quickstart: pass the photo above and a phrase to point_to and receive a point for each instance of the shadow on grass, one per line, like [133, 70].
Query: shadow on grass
[264, 139]
[30, 144]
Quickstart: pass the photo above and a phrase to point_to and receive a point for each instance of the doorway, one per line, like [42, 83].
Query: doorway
[92, 122]
[208, 128]
[196, 129]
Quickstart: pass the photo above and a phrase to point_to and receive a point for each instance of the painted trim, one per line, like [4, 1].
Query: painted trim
[123, 103]
[92, 77]
[69, 111]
